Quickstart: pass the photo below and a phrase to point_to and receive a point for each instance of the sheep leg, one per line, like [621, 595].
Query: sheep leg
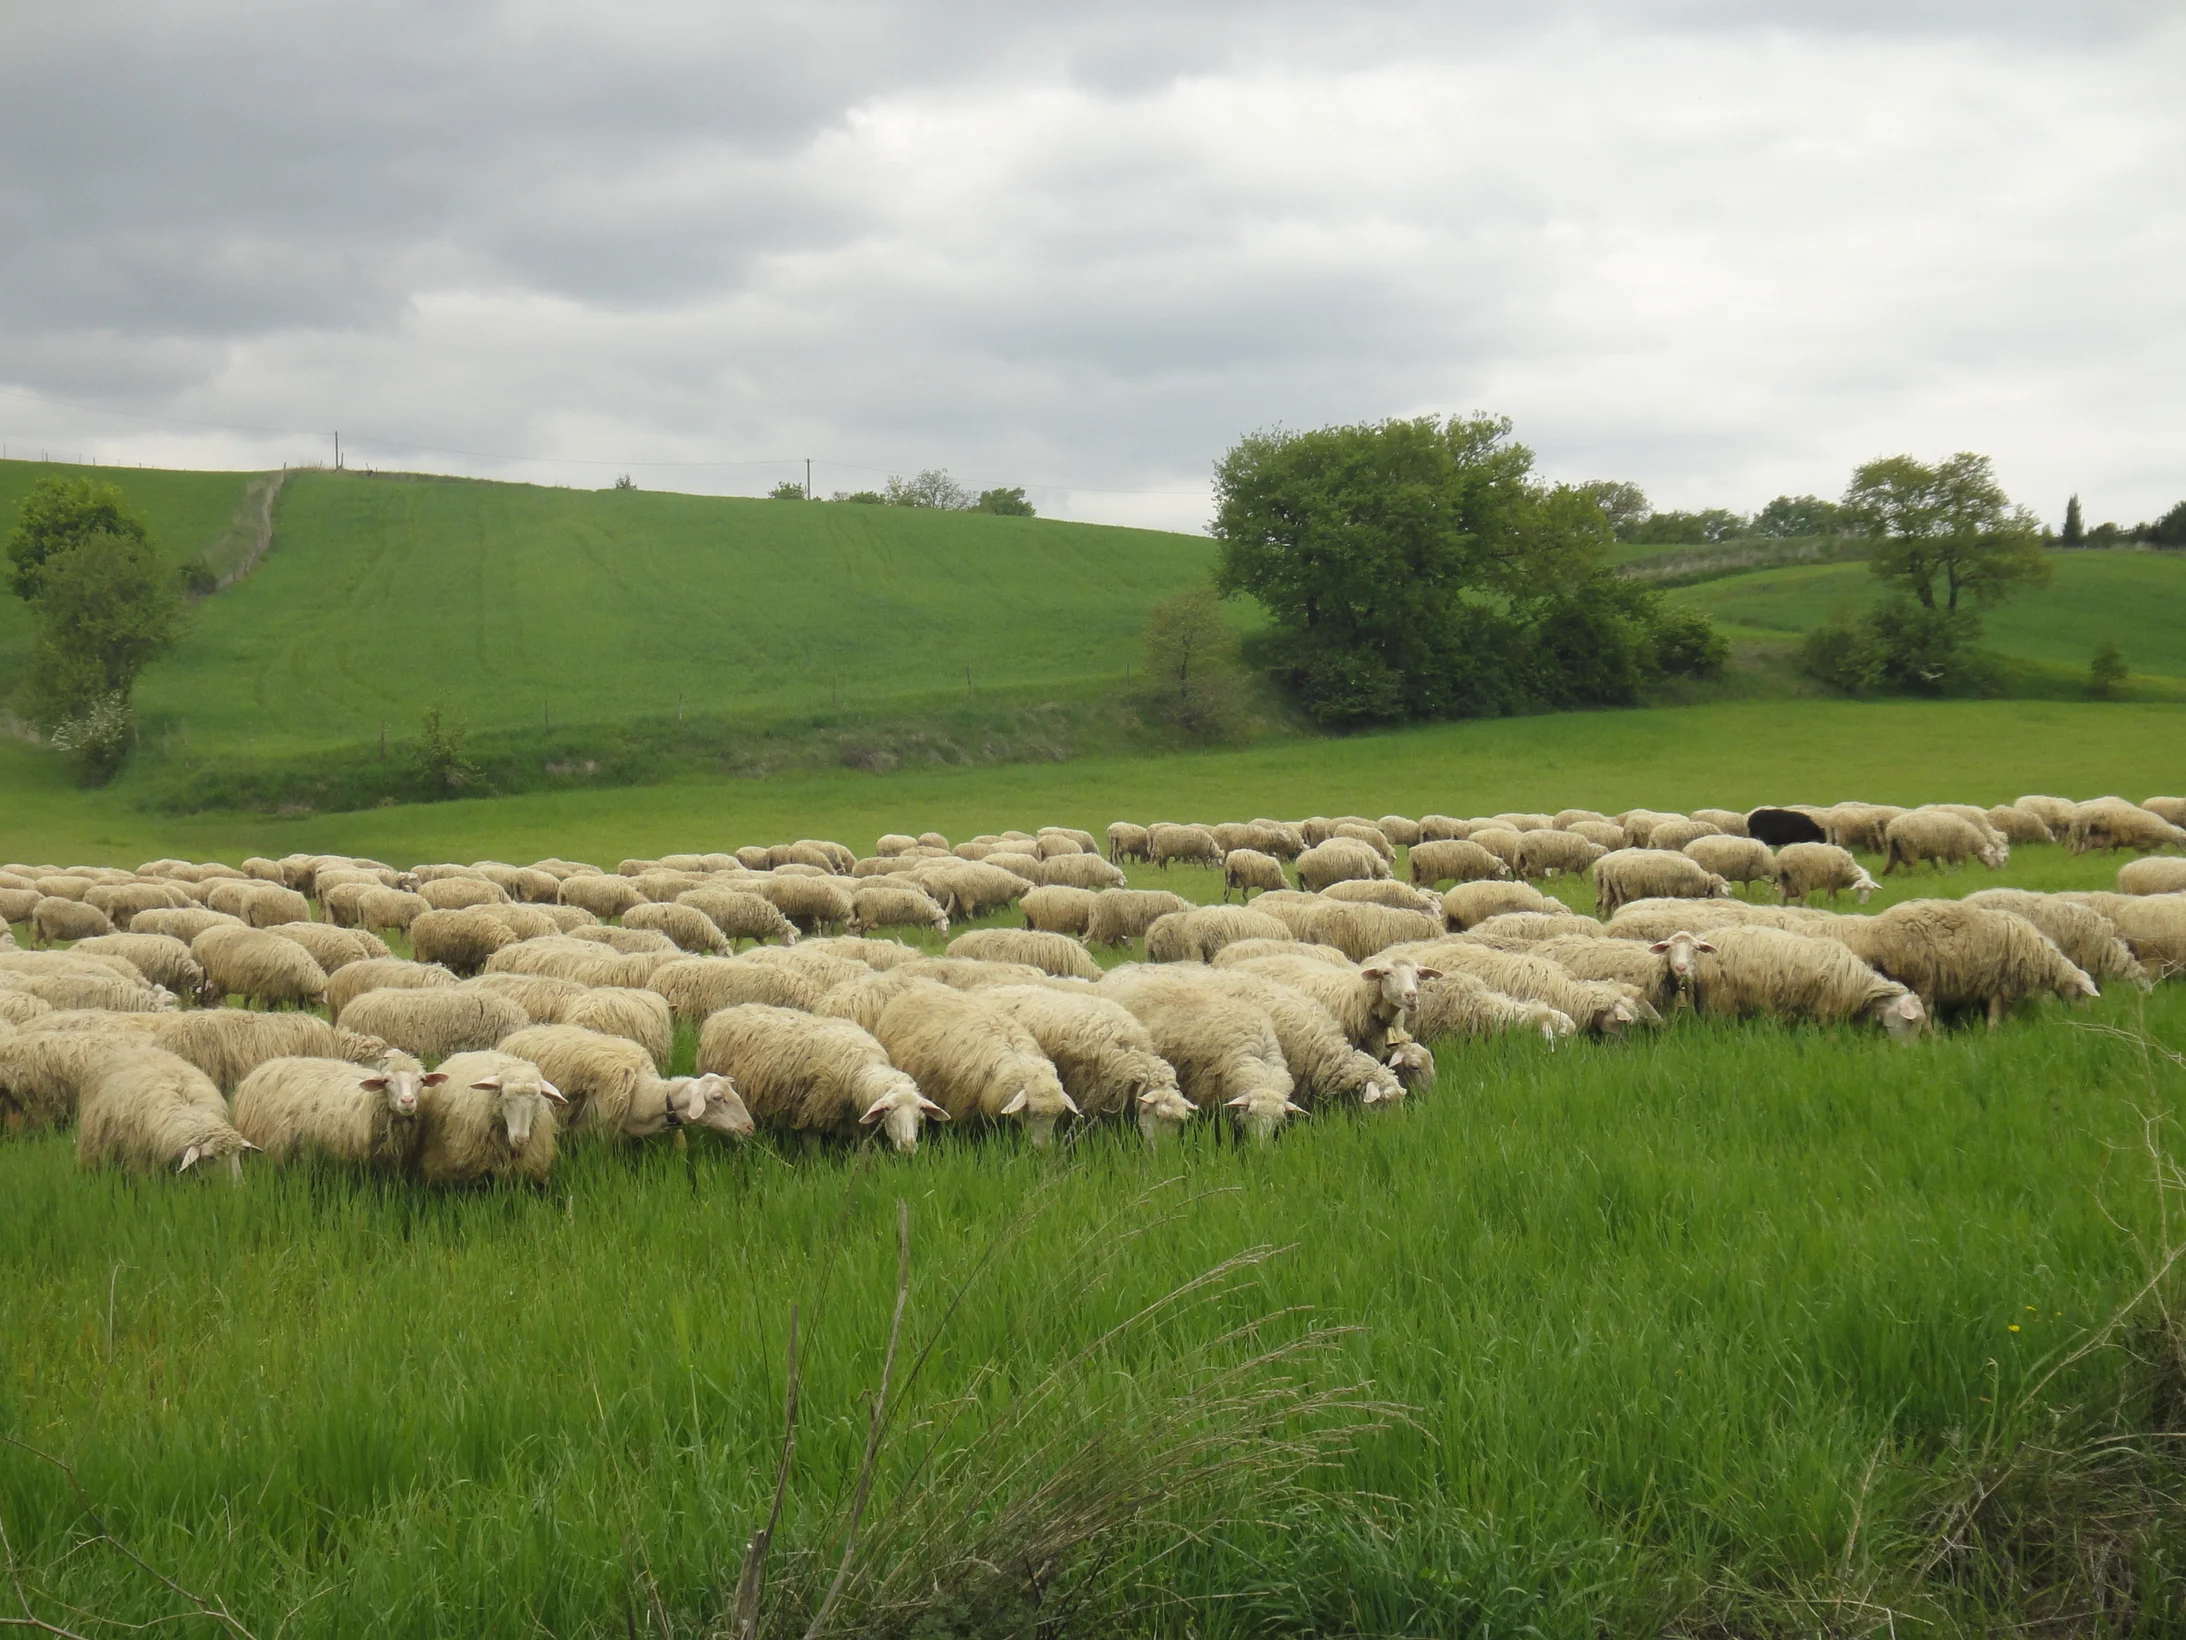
[1999, 1008]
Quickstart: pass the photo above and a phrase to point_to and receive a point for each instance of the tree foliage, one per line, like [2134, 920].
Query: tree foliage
[2107, 670]
[1790, 517]
[106, 608]
[788, 490]
[932, 488]
[1945, 534]
[2074, 533]
[1009, 503]
[59, 513]
[1685, 529]
[1193, 680]
[1418, 569]
[443, 751]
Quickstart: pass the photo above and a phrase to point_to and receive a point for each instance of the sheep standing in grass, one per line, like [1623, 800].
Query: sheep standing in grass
[641, 1017]
[1458, 1004]
[1658, 970]
[1080, 870]
[580, 960]
[332, 948]
[1500, 843]
[1224, 1050]
[1454, 860]
[1246, 869]
[1340, 859]
[1958, 957]
[1057, 910]
[262, 967]
[543, 1000]
[184, 925]
[54, 918]
[365, 1116]
[603, 896]
[1191, 845]
[1360, 930]
[1595, 1005]
[1196, 935]
[1806, 869]
[2111, 823]
[460, 939]
[2088, 938]
[381, 974]
[384, 908]
[967, 888]
[613, 1090]
[1324, 1066]
[1055, 954]
[433, 1024]
[863, 1000]
[1369, 1002]
[1645, 874]
[1937, 837]
[145, 1111]
[1744, 972]
[1550, 853]
[2152, 925]
[1119, 915]
[1129, 842]
[2019, 825]
[1104, 1057]
[814, 1076]
[1476, 902]
[886, 904]
[689, 928]
[44, 1075]
[697, 987]
[629, 942]
[491, 1117]
[160, 958]
[2149, 875]
[1739, 860]
[977, 1062]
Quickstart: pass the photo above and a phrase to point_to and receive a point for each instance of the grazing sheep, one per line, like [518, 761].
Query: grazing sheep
[2107, 823]
[967, 888]
[1238, 951]
[894, 843]
[1675, 834]
[1777, 827]
[1501, 843]
[259, 904]
[1080, 870]
[1743, 972]
[1958, 957]
[891, 904]
[66, 885]
[16, 904]
[696, 987]
[612, 1089]
[2018, 825]
[122, 901]
[1360, 831]
[1358, 931]
[1400, 831]
[863, 1000]
[1055, 954]
[2152, 925]
[1338, 860]
[1441, 828]
[1549, 853]
[436, 1022]
[687, 927]
[1056, 910]
[1193, 845]
[1476, 902]
[1650, 920]
[461, 940]
[54, 918]
[1196, 935]
[1245, 869]
[1531, 927]
[184, 925]
[543, 1000]
[1523, 823]
[461, 893]
[814, 1076]
[2088, 938]
[1224, 1050]
[740, 914]
[1129, 842]
[972, 1057]
[2053, 812]
[1931, 834]
[1324, 1066]
[160, 958]
[1594, 1005]
[1729, 822]
[1658, 971]
[363, 1115]
[1369, 1003]
[2171, 809]
[146, 1111]
[875, 954]
[1120, 915]
[19, 1008]
[973, 974]
[227, 1044]
[381, 974]
[1453, 860]
[264, 968]
[566, 957]
[86, 987]
[1104, 1057]
[332, 948]
[1739, 860]
[1805, 869]
[636, 1016]
[1293, 908]
[628, 942]
[602, 895]
[1635, 874]
[829, 961]
[379, 908]
[491, 1117]
[44, 1075]
[2148, 875]
[340, 902]
[1463, 1005]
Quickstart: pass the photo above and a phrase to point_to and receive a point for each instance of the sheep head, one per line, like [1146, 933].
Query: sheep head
[1996, 855]
[1412, 1062]
[523, 1099]
[902, 1110]
[1862, 884]
[1399, 982]
[1902, 1016]
[1263, 1110]
[1162, 1110]
[1040, 1103]
[711, 1101]
[1680, 948]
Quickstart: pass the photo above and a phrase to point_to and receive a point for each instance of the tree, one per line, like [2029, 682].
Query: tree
[1789, 517]
[932, 488]
[107, 606]
[864, 498]
[788, 490]
[2074, 534]
[1696, 529]
[625, 482]
[1193, 681]
[2169, 530]
[442, 751]
[1622, 503]
[59, 513]
[2107, 670]
[1947, 533]
[1005, 503]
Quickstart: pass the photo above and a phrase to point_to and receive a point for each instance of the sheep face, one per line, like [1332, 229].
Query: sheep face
[1996, 854]
[711, 1101]
[1262, 1111]
[399, 1089]
[1862, 884]
[1040, 1104]
[1680, 948]
[1902, 1016]
[1399, 982]
[1162, 1111]
[1719, 888]
[901, 1110]
[1383, 1087]
[1413, 1064]
[523, 1100]
[227, 1152]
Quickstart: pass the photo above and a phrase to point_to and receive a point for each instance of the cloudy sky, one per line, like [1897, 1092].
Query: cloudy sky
[1723, 249]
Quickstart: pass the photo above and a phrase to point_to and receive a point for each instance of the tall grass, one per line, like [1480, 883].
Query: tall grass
[1678, 1320]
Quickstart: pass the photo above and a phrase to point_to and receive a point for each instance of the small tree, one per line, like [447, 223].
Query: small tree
[932, 488]
[107, 607]
[1006, 503]
[1192, 676]
[1624, 504]
[443, 740]
[59, 513]
[863, 498]
[2169, 530]
[1791, 516]
[2074, 534]
[788, 490]
[625, 482]
[1945, 534]
[2107, 670]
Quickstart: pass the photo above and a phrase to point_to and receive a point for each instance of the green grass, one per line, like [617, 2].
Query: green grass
[2133, 597]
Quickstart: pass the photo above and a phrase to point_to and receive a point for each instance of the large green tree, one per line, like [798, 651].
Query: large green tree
[106, 608]
[1945, 535]
[59, 513]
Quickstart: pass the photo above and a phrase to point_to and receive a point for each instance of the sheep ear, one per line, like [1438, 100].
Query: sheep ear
[190, 1159]
[1703, 945]
[552, 1092]
[432, 1079]
[1070, 1105]
[933, 1110]
[373, 1084]
[1430, 973]
[878, 1110]
[1377, 970]
[1016, 1104]
[247, 1145]
[1295, 1108]
[1660, 947]
[1241, 1101]
[490, 1084]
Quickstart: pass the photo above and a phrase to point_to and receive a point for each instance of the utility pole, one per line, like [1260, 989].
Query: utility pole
[337, 451]
[808, 478]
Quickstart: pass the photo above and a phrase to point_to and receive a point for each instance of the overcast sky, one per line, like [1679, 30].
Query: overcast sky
[1725, 250]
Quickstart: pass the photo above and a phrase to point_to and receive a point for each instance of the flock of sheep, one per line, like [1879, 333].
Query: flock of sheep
[540, 1002]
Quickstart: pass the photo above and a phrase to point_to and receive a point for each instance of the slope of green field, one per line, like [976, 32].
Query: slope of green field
[2136, 598]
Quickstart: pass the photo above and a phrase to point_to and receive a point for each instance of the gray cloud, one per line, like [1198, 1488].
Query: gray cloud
[1722, 249]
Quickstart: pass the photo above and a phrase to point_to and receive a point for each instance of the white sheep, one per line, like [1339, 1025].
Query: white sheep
[1455, 860]
[1735, 859]
[1224, 1050]
[886, 904]
[1057, 910]
[1637, 873]
[362, 1115]
[688, 927]
[1104, 1057]
[1056, 954]
[613, 1089]
[1938, 837]
[1756, 970]
[1805, 869]
[1475, 902]
[1192, 845]
[492, 1116]
[1957, 957]
[1339, 859]
[435, 1024]
[146, 1111]
[971, 1057]
[1246, 869]
[263, 967]
[1196, 935]
[814, 1076]
[1120, 915]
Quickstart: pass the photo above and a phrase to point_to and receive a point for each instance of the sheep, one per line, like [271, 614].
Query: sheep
[461, 940]
[1358, 931]
[1957, 957]
[603, 896]
[44, 1075]
[87, 987]
[366, 1116]
[1729, 822]
[1463, 1005]
[160, 958]
[16, 905]
[1531, 927]
[696, 987]
[1805, 869]
[2153, 926]
[122, 901]
[967, 889]
[974, 974]
[1650, 920]
[974, 1059]
[2147, 875]
[1193, 845]
[2087, 937]
[1742, 972]
[628, 942]
[54, 918]
[2018, 825]
[565, 957]
[887, 904]
[1454, 860]
[1400, 831]
[66, 885]
[814, 1076]
[863, 1000]
[1369, 1003]
[2053, 812]
[613, 1089]
[1196, 935]
[2107, 823]
[1103, 1056]
[875, 954]
[491, 1117]
[332, 948]
[1027, 866]
[1658, 971]
[2171, 809]
[146, 1111]
[1224, 1050]
[1779, 826]
[687, 926]
[544, 1000]
[1246, 869]
[1050, 953]
[1324, 1065]
[893, 843]
[1080, 871]
[461, 893]
[1548, 853]
[1120, 915]
[1594, 1005]
[636, 1016]
[1675, 834]
[1475, 902]
[263, 967]
[1056, 910]
[1441, 828]
[353, 979]
[1633, 874]
[1499, 843]
[1738, 860]
[525, 884]
[1363, 831]
[382, 908]
[1238, 951]
[1339, 859]
[740, 915]
[19, 1008]
[436, 1022]
[1932, 835]
[227, 1044]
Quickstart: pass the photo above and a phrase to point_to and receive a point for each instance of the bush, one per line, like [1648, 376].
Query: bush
[197, 578]
[1005, 503]
[442, 752]
[788, 490]
[2107, 670]
[96, 738]
[1193, 682]
[1841, 652]
[864, 498]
